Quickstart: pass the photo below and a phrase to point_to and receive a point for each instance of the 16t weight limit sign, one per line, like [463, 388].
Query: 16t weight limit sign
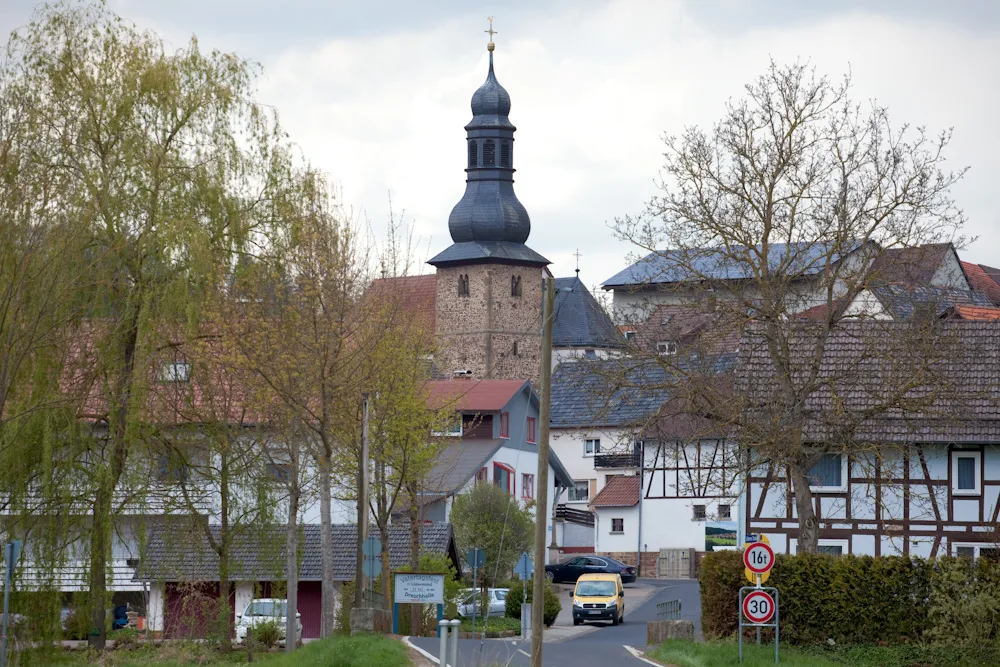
[758, 607]
[758, 558]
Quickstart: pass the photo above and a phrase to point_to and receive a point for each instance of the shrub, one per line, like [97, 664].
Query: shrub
[512, 605]
[964, 602]
[77, 623]
[345, 601]
[266, 634]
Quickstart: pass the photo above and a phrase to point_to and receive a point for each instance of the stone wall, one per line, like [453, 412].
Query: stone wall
[490, 332]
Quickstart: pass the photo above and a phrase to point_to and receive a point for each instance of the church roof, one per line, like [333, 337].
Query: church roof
[471, 252]
[579, 319]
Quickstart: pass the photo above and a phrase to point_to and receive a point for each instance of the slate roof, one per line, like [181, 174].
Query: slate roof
[985, 279]
[473, 395]
[458, 461]
[619, 392]
[620, 491]
[673, 266]
[502, 252]
[183, 553]
[579, 319]
[951, 397]
[902, 300]
[912, 266]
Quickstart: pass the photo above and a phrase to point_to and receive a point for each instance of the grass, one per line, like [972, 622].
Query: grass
[722, 653]
[359, 651]
[493, 624]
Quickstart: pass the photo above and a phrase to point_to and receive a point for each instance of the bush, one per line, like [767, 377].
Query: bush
[77, 623]
[266, 634]
[512, 605]
[823, 597]
[964, 602]
[345, 602]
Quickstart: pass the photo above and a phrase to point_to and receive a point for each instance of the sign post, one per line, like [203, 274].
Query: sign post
[417, 588]
[371, 566]
[11, 553]
[758, 605]
[476, 558]
[524, 570]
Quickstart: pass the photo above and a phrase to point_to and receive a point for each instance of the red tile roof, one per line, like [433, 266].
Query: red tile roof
[977, 313]
[985, 279]
[618, 492]
[417, 294]
[473, 395]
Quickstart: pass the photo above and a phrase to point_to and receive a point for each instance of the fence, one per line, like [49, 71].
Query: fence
[669, 610]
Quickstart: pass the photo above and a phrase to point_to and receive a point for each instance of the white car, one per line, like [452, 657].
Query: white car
[497, 601]
[267, 610]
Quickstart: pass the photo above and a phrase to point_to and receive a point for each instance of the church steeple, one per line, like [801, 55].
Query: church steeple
[489, 224]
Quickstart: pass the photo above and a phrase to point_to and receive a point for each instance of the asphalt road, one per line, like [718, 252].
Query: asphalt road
[604, 646]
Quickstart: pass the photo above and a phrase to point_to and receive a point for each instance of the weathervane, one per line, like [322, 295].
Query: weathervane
[491, 32]
[578, 256]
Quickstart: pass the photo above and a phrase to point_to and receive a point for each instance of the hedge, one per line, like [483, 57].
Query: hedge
[854, 600]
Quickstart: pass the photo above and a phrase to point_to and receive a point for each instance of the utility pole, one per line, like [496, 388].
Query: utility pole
[359, 587]
[542, 492]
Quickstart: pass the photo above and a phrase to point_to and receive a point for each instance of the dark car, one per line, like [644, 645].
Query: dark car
[571, 570]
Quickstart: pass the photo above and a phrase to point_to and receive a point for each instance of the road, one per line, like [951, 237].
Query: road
[602, 645]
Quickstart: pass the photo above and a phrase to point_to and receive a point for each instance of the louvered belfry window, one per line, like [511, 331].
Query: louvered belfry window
[473, 155]
[489, 153]
[505, 154]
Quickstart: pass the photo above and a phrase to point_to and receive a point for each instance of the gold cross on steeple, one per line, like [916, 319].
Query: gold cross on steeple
[491, 32]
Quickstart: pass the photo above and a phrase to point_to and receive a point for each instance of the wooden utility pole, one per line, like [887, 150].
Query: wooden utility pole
[542, 490]
[359, 581]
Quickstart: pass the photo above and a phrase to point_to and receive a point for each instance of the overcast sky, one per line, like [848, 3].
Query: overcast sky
[377, 93]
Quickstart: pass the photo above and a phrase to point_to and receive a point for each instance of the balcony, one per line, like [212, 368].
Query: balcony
[572, 515]
[617, 460]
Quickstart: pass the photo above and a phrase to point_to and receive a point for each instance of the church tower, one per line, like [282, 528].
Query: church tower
[489, 283]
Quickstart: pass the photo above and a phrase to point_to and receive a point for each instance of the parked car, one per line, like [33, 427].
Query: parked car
[571, 570]
[598, 597]
[497, 601]
[267, 610]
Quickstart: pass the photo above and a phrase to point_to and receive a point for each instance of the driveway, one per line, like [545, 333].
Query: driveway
[568, 646]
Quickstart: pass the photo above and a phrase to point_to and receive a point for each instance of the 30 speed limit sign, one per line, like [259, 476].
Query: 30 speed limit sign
[758, 557]
[758, 607]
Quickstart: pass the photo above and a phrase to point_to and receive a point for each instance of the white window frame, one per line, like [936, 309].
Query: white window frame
[617, 532]
[844, 471]
[597, 447]
[704, 512]
[978, 546]
[175, 371]
[452, 430]
[666, 348]
[793, 545]
[977, 476]
[585, 482]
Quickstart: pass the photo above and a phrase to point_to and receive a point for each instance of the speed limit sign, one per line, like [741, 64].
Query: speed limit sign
[758, 607]
[758, 557]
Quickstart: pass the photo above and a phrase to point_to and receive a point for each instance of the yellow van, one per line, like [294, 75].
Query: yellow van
[599, 597]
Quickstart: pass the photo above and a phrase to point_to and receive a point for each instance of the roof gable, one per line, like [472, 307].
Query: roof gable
[579, 319]
[474, 395]
[622, 491]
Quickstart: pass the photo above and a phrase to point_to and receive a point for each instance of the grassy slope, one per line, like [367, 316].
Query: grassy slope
[361, 651]
[719, 654]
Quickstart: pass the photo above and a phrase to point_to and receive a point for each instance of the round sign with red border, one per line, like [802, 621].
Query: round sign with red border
[758, 607]
[758, 557]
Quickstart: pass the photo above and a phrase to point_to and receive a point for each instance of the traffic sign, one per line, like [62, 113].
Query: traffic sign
[475, 557]
[752, 539]
[371, 567]
[758, 558]
[758, 607]
[371, 547]
[524, 567]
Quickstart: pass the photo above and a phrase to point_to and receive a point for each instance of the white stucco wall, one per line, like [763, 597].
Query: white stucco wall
[568, 444]
[605, 540]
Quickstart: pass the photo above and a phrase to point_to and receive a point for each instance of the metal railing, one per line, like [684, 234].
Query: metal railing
[617, 460]
[669, 610]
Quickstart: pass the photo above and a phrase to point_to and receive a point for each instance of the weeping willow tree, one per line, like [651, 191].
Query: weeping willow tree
[166, 167]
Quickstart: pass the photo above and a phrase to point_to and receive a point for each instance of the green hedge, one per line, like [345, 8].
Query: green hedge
[512, 605]
[857, 600]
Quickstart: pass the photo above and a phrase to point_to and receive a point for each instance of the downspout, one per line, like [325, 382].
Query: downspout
[638, 546]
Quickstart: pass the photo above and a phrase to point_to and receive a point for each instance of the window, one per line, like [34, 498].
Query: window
[725, 512]
[973, 551]
[503, 476]
[618, 525]
[463, 284]
[698, 512]
[452, 429]
[579, 492]
[505, 154]
[279, 472]
[482, 475]
[515, 285]
[965, 552]
[473, 155]
[629, 335]
[527, 486]
[504, 424]
[829, 473]
[489, 153]
[178, 371]
[169, 469]
[532, 437]
[666, 348]
[591, 446]
[965, 473]
[830, 549]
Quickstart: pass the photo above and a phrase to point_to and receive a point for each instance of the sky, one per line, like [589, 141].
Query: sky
[377, 93]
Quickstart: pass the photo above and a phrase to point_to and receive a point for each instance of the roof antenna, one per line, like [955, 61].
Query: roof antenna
[577, 255]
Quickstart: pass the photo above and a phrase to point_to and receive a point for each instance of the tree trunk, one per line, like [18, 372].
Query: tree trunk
[415, 610]
[808, 537]
[292, 554]
[362, 505]
[326, 543]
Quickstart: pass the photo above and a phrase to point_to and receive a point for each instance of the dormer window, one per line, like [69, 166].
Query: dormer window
[515, 285]
[505, 154]
[473, 155]
[178, 371]
[489, 153]
[451, 429]
[666, 348]
[463, 284]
